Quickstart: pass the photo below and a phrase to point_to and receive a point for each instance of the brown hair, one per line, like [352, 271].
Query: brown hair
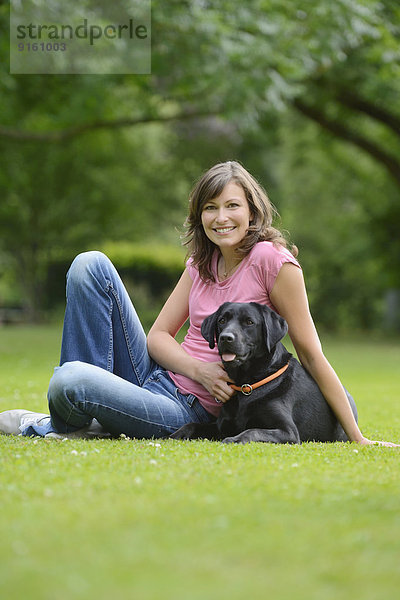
[209, 186]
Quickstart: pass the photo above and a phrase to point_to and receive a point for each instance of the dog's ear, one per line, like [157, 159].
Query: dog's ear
[275, 326]
[209, 327]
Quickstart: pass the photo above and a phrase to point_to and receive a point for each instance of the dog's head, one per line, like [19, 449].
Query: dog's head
[243, 331]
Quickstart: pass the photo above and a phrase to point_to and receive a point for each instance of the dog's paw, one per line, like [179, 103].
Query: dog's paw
[186, 432]
[237, 439]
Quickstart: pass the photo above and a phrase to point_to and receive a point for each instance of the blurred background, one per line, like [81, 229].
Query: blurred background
[304, 93]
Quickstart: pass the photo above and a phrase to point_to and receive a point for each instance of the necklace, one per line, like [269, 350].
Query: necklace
[227, 272]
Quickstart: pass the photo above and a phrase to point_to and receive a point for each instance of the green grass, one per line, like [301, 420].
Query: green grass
[200, 520]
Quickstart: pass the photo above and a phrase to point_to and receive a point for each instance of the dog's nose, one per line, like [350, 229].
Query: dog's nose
[226, 336]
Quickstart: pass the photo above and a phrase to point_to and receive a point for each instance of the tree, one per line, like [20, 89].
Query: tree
[218, 58]
[250, 66]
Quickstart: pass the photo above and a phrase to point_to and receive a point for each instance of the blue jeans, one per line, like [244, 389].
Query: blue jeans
[106, 372]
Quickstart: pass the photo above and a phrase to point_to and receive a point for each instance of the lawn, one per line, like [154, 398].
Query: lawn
[200, 520]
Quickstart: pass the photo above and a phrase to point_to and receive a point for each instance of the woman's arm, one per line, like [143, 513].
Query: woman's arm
[168, 353]
[290, 299]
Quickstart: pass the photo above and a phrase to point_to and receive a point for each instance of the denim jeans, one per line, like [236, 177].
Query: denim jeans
[106, 372]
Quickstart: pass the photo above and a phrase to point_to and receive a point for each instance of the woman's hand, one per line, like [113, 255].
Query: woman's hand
[214, 378]
[366, 442]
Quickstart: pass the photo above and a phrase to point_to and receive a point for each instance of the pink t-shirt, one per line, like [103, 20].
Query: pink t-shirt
[251, 282]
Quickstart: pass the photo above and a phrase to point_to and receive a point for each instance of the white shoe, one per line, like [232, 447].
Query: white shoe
[11, 420]
[94, 430]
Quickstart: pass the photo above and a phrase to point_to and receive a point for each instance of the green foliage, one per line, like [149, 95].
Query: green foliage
[325, 208]
[146, 257]
[149, 272]
[87, 159]
[254, 57]
[159, 518]
[62, 200]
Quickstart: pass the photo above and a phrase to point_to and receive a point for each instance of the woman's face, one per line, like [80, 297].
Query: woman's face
[226, 218]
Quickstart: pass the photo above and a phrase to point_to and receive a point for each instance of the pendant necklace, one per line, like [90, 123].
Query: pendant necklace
[229, 271]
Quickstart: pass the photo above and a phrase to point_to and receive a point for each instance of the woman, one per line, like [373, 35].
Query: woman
[110, 374]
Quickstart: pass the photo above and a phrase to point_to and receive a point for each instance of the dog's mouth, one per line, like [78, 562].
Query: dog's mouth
[234, 354]
[229, 358]
[226, 357]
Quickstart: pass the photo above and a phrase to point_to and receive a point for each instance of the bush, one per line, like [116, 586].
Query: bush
[156, 266]
[149, 272]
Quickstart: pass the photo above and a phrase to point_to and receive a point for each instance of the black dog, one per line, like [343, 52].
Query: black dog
[287, 407]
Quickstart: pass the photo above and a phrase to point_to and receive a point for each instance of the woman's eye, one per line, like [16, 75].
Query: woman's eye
[209, 207]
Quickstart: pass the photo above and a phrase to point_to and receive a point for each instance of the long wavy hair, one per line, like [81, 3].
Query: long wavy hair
[208, 187]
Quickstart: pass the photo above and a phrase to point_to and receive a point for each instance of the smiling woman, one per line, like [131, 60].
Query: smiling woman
[223, 183]
[226, 220]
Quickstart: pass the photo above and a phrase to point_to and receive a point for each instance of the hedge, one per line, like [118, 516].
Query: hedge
[155, 266]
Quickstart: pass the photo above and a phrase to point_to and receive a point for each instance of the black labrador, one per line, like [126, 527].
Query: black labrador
[276, 400]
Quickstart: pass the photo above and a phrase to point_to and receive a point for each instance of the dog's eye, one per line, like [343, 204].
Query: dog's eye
[221, 320]
[249, 322]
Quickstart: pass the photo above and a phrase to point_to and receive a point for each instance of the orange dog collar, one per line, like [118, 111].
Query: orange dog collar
[247, 388]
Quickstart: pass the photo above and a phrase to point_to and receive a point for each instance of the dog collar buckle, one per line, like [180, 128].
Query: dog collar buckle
[246, 389]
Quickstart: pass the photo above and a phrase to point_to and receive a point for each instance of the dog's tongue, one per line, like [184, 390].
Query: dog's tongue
[228, 357]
